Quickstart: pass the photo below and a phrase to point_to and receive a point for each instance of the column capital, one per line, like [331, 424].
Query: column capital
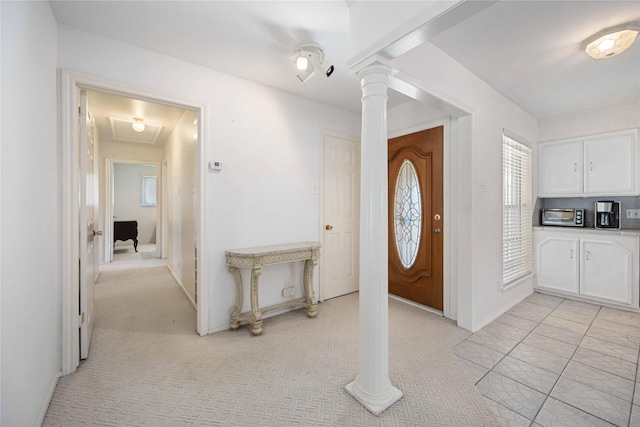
[375, 63]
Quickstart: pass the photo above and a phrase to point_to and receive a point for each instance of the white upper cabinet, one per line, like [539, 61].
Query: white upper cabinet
[611, 165]
[603, 165]
[560, 169]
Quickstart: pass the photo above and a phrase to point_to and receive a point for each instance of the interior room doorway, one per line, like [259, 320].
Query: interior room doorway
[71, 84]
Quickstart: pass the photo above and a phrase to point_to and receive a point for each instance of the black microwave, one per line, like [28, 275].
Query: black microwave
[562, 217]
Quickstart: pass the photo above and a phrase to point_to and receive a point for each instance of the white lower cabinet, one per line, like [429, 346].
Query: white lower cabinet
[599, 266]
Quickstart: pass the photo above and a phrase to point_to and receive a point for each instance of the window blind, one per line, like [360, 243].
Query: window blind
[516, 201]
[149, 191]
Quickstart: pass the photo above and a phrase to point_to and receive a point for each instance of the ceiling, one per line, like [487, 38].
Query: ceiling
[527, 50]
[113, 115]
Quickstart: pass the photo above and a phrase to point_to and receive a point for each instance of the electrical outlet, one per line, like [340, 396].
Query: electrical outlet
[633, 213]
[288, 292]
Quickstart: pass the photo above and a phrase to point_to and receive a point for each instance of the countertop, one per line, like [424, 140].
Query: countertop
[621, 232]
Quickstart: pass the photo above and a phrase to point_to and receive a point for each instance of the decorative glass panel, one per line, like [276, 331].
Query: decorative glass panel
[408, 214]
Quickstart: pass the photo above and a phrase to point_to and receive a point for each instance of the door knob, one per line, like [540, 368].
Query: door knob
[328, 227]
[436, 230]
[97, 233]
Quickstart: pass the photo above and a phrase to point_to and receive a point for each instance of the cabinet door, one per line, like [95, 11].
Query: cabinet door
[560, 170]
[606, 270]
[611, 165]
[557, 263]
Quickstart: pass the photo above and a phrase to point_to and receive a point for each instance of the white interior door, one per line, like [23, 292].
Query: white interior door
[340, 264]
[88, 213]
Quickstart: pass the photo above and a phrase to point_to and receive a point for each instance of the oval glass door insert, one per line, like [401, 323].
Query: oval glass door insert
[408, 214]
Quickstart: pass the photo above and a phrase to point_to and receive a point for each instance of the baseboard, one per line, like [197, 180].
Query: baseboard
[45, 407]
[502, 310]
[181, 286]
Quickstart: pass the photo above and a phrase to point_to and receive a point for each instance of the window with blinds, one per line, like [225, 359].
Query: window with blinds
[516, 203]
[149, 190]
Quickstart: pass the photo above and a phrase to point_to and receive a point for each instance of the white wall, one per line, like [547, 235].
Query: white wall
[182, 190]
[127, 203]
[30, 246]
[269, 142]
[591, 122]
[477, 172]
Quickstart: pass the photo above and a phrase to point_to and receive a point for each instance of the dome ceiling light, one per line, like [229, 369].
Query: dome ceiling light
[308, 57]
[138, 124]
[611, 41]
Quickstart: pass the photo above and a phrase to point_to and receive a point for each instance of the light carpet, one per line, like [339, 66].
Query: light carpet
[147, 366]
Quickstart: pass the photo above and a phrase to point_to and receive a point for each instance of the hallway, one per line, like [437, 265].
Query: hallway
[147, 366]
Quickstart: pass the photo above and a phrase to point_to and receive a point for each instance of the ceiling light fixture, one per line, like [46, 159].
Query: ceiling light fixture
[611, 41]
[138, 124]
[308, 57]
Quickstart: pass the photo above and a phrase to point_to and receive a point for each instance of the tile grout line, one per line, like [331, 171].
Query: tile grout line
[570, 359]
[509, 352]
[564, 369]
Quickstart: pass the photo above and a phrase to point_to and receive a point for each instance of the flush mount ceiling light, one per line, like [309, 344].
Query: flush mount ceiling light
[138, 124]
[308, 57]
[611, 41]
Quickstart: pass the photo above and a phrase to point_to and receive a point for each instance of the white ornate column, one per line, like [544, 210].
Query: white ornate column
[372, 387]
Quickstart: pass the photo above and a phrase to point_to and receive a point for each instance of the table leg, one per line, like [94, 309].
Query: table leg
[235, 311]
[312, 302]
[256, 321]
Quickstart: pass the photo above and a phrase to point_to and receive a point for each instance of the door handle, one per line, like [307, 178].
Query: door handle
[97, 233]
[328, 227]
[437, 230]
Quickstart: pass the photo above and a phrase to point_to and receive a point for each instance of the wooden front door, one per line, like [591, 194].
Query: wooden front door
[416, 218]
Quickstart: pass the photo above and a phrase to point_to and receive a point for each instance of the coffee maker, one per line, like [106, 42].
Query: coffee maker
[607, 214]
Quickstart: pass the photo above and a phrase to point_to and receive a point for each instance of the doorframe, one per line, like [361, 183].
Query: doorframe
[70, 84]
[108, 205]
[349, 137]
[449, 296]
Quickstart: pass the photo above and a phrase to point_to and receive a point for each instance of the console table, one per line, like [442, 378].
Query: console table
[258, 257]
[125, 230]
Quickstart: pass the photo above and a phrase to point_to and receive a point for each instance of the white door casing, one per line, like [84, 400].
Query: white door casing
[71, 82]
[88, 237]
[109, 197]
[341, 215]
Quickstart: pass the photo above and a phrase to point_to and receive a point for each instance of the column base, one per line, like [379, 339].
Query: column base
[376, 404]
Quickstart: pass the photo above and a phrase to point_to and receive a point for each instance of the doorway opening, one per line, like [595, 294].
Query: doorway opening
[190, 115]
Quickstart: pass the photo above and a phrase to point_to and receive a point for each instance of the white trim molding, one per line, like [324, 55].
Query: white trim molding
[70, 83]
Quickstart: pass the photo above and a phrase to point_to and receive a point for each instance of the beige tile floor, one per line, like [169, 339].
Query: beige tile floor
[552, 361]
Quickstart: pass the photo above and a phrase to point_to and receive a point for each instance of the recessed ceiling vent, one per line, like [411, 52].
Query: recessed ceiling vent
[122, 131]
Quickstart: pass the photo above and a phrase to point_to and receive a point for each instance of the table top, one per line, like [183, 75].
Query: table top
[274, 249]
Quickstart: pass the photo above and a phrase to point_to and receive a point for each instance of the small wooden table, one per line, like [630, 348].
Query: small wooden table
[256, 258]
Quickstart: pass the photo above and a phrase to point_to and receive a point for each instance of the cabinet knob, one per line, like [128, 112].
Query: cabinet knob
[328, 227]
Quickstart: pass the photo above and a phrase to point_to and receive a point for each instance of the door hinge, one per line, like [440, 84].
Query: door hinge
[81, 318]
